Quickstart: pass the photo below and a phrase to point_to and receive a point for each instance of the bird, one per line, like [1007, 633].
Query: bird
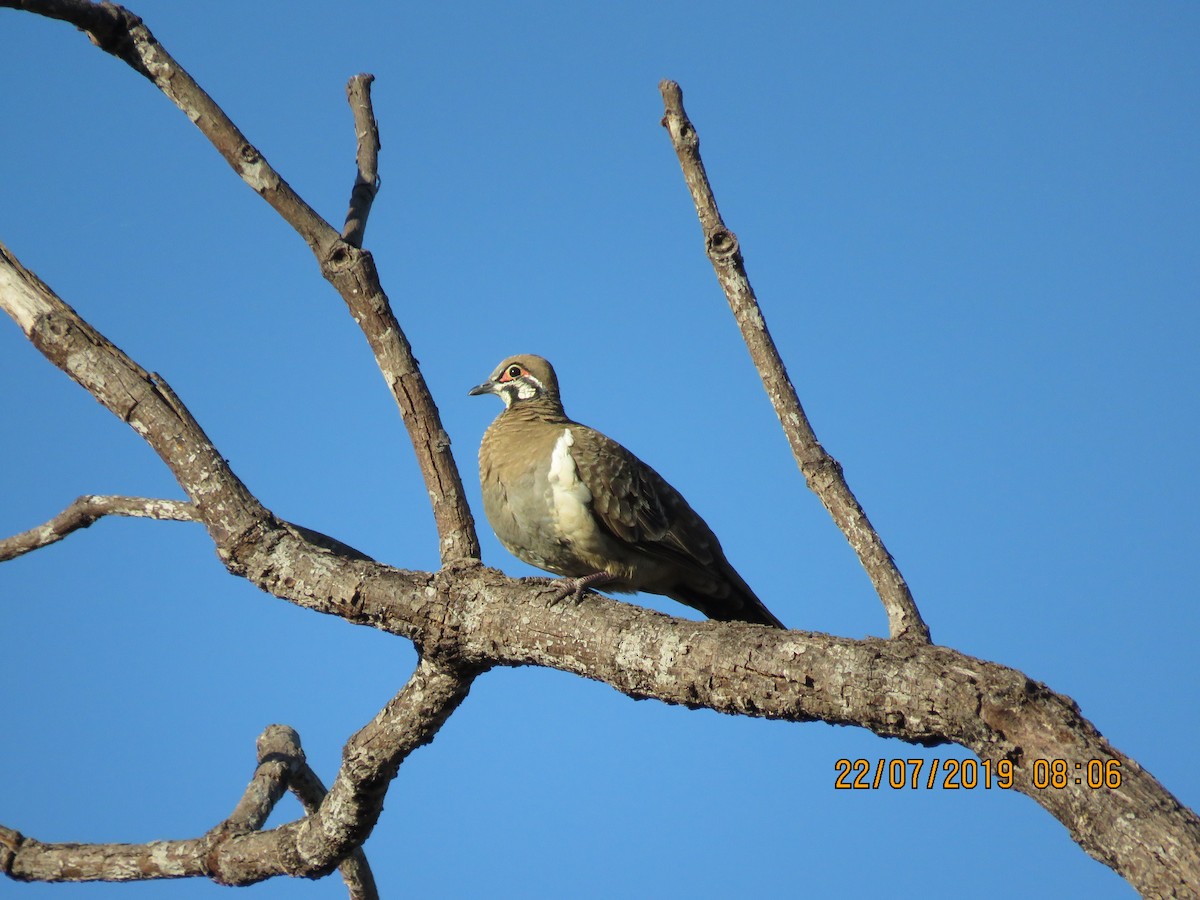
[569, 500]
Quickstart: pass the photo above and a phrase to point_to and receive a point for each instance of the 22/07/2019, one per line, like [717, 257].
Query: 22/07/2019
[959, 774]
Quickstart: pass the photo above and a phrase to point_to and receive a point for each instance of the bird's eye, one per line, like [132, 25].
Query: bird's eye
[514, 371]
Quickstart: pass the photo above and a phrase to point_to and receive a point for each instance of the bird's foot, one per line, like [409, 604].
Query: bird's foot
[574, 587]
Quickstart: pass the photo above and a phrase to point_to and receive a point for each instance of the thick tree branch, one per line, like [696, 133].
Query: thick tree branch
[916, 692]
[87, 509]
[311, 847]
[26, 859]
[366, 182]
[822, 472]
[348, 268]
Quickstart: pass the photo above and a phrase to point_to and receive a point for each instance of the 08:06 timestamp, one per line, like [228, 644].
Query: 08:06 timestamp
[968, 774]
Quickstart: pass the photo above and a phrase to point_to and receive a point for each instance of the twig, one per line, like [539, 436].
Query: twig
[366, 181]
[87, 509]
[821, 471]
[347, 267]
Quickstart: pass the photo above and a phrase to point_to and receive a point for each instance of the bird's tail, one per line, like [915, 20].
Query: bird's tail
[739, 603]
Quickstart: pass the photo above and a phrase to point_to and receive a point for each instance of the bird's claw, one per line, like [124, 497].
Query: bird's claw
[575, 587]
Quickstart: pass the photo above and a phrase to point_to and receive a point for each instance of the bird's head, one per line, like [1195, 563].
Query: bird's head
[522, 379]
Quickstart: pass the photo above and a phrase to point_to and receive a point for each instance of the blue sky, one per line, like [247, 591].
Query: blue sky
[973, 230]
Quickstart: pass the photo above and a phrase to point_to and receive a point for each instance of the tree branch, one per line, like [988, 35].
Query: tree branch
[354, 869]
[919, 693]
[822, 472]
[136, 396]
[312, 846]
[250, 541]
[366, 182]
[904, 689]
[87, 509]
[236, 852]
[348, 268]
[280, 757]
[283, 766]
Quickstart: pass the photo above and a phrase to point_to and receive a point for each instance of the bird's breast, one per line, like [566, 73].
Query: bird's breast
[535, 501]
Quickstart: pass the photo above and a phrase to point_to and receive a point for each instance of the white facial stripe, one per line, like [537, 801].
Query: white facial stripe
[528, 387]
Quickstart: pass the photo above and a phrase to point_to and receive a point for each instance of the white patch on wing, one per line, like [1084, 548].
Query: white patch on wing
[569, 496]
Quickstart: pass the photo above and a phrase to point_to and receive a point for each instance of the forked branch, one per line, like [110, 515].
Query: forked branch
[237, 852]
[347, 267]
[282, 767]
[821, 471]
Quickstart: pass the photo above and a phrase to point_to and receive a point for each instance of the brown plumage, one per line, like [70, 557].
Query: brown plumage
[567, 499]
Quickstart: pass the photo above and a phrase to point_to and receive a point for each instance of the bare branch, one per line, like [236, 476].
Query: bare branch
[355, 870]
[87, 509]
[822, 472]
[366, 182]
[310, 847]
[26, 859]
[288, 561]
[280, 758]
[119, 32]
[348, 268]
[32, 860]
[283, 766]
[920, 693]
[136, 396]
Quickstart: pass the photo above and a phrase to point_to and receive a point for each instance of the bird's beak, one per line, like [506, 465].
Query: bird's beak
[485, 388]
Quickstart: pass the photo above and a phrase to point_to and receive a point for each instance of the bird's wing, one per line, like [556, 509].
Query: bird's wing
[637, 505]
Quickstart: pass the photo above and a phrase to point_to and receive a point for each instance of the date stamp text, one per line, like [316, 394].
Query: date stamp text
[969, 774]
